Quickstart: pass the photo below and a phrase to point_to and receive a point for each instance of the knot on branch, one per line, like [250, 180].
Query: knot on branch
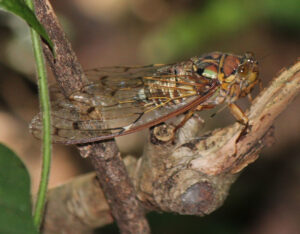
[190, 192]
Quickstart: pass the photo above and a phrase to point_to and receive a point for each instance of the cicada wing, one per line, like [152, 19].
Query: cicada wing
[71, 125]
[124, 100]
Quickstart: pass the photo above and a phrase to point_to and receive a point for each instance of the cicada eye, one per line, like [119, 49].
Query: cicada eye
[207, 70]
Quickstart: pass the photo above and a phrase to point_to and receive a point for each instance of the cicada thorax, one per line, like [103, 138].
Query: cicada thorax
[171, 84]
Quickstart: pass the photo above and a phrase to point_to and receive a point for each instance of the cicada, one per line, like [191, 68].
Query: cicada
[121, 100]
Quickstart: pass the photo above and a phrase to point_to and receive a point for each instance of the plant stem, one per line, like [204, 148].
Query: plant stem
[45, 109]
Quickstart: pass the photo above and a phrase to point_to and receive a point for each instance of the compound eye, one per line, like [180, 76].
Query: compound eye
[208, 72]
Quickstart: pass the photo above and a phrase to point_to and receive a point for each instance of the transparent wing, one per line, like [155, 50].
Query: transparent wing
[121, 100]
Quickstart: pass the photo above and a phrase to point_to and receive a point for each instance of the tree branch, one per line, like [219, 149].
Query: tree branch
[191, 177]
[68, 71]
[104, 156]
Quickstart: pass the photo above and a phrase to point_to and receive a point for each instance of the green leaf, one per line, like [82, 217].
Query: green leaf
[15, 199]
[18, 7]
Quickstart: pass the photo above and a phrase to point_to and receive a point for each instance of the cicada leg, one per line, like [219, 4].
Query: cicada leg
[241, 118]
[249, 96]
[190, 113]
[250, 99]
[187, 116]
[238, 114]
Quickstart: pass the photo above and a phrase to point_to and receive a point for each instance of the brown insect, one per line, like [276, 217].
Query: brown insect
[122, 100]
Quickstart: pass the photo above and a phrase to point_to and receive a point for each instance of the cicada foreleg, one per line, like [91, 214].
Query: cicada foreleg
[238, 114]
[241, 117]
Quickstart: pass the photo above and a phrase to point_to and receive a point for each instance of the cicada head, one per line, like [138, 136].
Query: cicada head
[237, 75]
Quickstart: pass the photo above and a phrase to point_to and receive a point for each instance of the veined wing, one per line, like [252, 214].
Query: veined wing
[121, 100]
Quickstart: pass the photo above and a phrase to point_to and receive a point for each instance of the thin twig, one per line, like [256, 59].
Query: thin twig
[192, 177]
[70, 77]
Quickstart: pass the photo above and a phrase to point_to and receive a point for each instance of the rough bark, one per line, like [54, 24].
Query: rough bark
[68, 71]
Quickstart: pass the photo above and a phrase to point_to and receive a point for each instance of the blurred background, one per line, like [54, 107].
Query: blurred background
[266, 197]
